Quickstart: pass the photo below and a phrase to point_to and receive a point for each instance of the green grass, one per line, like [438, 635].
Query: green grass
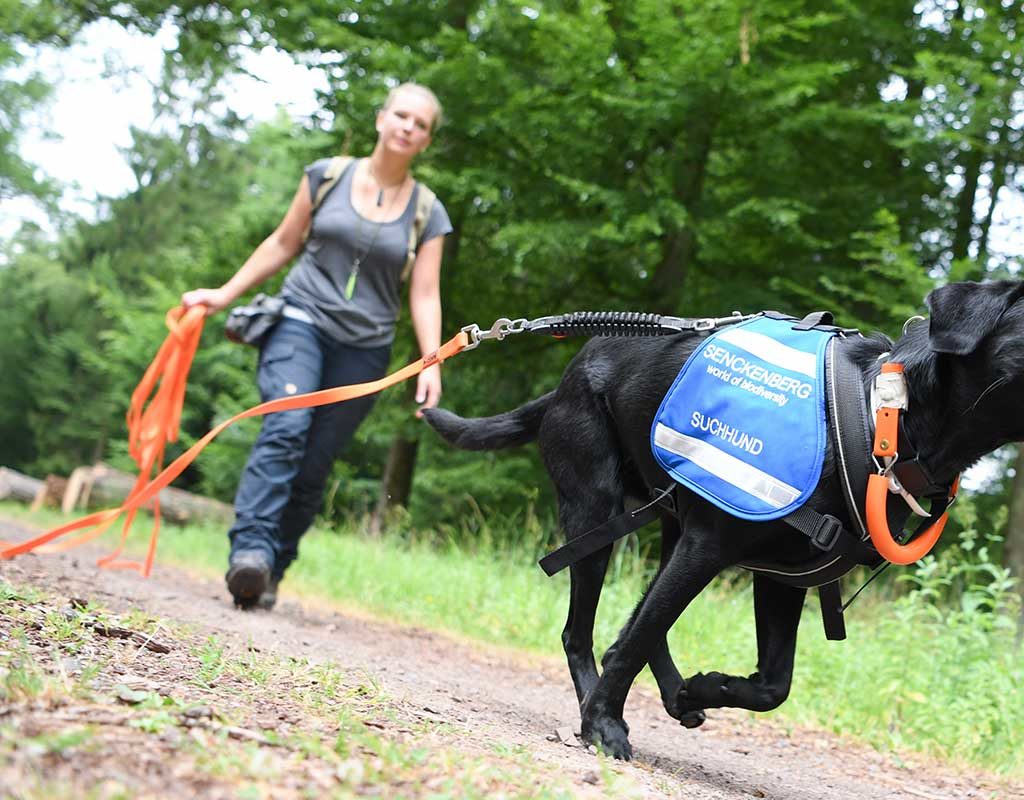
[913, 674]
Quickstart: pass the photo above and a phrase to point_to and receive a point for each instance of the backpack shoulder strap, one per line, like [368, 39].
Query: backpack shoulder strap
[424, 203]
[333, 172]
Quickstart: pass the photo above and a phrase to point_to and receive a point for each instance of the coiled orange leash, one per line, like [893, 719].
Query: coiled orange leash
[152, 423]
[886, 436]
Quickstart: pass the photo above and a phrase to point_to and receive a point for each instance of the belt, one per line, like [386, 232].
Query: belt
[298, 314]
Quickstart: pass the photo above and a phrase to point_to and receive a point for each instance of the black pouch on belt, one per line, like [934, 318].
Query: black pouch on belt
[250, 324]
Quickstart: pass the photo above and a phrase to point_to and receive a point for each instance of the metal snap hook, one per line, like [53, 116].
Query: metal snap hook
[907, 324]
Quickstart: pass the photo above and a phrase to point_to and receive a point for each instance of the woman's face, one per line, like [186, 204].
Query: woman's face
[404, 126]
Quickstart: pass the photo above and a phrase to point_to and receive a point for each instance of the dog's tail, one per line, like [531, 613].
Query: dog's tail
[512, 428]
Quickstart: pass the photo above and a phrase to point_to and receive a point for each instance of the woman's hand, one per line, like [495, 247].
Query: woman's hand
[213, 299]
[428, 388]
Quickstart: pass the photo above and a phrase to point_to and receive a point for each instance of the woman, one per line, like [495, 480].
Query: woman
[343, 298]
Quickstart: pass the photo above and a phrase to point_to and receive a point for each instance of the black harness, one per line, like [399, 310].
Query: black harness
[838, 549]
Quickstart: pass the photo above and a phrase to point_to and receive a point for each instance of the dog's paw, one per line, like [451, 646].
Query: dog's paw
[686, 709]
[675, 703]
[697, 693]
[607, 733]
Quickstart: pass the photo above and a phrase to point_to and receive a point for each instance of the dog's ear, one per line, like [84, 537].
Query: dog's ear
[963, 314]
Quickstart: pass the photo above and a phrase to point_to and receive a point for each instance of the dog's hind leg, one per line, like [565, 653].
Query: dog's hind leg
[670, 682]
[582, 457]
[777, 610]
[586, 578]
[691, 565]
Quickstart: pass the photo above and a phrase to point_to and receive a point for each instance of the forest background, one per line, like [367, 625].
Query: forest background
[688, 158]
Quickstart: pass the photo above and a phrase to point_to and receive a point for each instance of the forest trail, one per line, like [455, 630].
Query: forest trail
[433, 691]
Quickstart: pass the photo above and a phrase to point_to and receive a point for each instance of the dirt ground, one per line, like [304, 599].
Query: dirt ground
[475, 700]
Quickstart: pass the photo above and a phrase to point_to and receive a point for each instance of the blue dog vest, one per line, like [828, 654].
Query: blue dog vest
[743, 425]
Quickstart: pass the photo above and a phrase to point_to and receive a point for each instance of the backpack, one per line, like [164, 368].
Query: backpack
[424, 203]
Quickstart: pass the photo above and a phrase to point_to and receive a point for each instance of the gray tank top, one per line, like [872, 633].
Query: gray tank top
[339, 234]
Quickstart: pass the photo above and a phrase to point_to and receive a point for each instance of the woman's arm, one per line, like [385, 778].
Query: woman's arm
[266, 260]
[425, 308]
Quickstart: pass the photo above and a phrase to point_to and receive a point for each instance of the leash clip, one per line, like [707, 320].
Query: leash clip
[710, 323]
[499, 330]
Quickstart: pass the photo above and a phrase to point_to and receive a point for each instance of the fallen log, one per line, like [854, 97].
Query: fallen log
[100, 486]
[16, 486]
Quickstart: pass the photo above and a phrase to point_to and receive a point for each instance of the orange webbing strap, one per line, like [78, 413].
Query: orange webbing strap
[150, 429]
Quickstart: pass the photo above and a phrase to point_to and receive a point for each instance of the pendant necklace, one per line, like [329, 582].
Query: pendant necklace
[350, 284]
[380, 186]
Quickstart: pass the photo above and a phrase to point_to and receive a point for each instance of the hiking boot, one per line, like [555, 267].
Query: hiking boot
[268, 598]
[248, 577]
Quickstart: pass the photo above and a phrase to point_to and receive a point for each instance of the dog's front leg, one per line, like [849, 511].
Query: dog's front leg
[777, 609]
[693, 563]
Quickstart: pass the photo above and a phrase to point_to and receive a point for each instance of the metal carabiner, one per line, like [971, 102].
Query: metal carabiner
[886, 471]
[501, 328]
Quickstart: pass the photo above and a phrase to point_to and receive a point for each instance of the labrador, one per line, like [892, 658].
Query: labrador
[965, 372]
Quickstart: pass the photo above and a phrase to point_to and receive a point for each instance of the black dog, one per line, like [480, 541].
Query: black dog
[965, 371]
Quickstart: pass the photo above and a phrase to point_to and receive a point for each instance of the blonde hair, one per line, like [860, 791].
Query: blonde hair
[424, 92]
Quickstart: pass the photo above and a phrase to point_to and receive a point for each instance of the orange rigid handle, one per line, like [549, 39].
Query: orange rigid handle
[878, 527]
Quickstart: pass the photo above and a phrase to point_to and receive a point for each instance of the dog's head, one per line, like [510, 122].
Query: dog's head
[972, 374]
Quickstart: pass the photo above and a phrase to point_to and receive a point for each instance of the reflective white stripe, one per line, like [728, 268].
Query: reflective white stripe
[297, 313]
[767, 349]
[728, 468]
[844, 473]
[793, 573]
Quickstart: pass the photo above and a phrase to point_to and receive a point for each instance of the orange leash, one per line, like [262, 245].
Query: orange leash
[151, 426]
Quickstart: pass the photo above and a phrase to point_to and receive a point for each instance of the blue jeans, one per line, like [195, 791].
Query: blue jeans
[282, 486]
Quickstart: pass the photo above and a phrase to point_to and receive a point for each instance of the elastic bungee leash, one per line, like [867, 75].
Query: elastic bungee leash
[154, 415]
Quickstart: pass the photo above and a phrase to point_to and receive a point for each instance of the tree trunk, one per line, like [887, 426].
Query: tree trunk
[679, 248]
[965, 204]
[1013, 550]
[999, 169]
[396, 483]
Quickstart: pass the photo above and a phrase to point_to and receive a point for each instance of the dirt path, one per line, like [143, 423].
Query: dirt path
[488, 698]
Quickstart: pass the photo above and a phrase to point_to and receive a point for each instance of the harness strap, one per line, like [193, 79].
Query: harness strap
[814, 320]
[596, 539]
[607, 533]
[825, 531]
[851, 430]
[832, 611]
